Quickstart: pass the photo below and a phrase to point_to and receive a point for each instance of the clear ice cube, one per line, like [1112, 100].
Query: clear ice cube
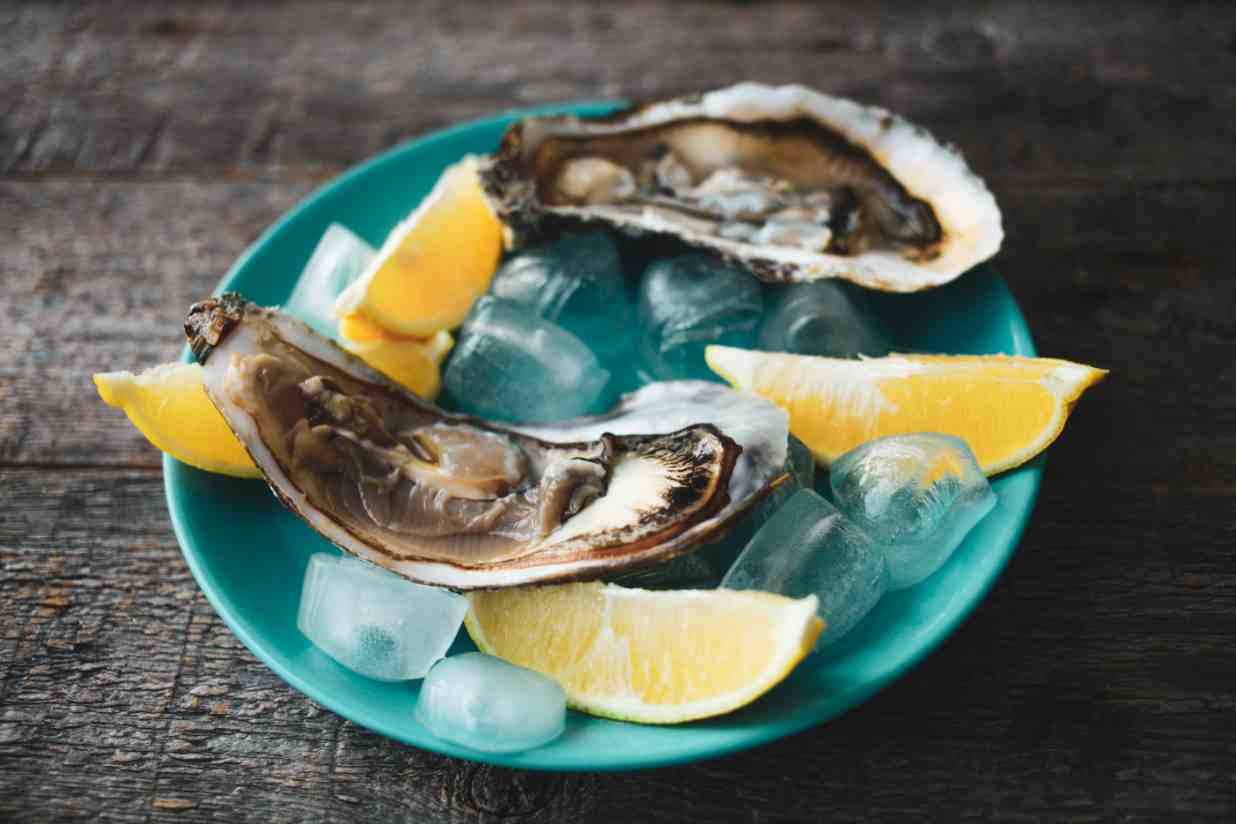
[487, 704]
[339, 259]
[917, 494]
[374, 622]
[821, 318]
[576, 282]
[800, 469]
[509, 364]
[809, 548]
[801, 463]
[688, 302]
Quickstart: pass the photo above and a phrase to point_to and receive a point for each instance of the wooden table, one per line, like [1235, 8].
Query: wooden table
[143, 146]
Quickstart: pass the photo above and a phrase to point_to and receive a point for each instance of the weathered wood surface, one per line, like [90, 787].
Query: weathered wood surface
[142, 146]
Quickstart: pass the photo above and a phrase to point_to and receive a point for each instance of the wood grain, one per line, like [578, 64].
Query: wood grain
[143, 147]
[1055, 89]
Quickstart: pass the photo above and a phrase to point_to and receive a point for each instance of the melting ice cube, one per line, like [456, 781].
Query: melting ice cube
[339, 259]
[917, 494]
[509, 364]
[578, 283]
[487, 704]
[374, 622]
[801, 463]
[688, 302]
[809, 548]
[821, 318]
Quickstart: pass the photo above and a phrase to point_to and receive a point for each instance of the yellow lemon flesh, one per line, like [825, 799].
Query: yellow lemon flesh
[434, 264]
[168, 405]
[358, 328]
[651, 657]
[1008, 409]
[413, 363]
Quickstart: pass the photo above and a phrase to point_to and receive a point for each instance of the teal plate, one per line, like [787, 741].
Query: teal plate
[248, 554]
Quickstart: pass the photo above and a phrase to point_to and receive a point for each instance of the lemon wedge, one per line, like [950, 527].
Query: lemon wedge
[411, 362]
[434, 264]
[168, 405]
[1008, 409]
[645, 656]
[358, 328]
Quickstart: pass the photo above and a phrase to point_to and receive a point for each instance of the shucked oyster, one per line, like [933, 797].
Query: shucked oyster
[792, 183]
[454, 501]
[759, 426]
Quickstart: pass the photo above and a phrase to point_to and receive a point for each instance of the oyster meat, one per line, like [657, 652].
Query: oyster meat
[759, 426]
[792, 183]
[456, 501]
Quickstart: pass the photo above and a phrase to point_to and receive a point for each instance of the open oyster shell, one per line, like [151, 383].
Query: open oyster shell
[792, 183]
[456, 501]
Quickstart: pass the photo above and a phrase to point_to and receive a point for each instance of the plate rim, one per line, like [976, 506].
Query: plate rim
[766, 732]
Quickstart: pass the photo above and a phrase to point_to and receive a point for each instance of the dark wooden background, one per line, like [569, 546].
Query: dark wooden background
[144, 145]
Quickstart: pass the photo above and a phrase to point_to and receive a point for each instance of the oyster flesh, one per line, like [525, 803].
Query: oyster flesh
[792, 183]
[455, 501]
[759, 426]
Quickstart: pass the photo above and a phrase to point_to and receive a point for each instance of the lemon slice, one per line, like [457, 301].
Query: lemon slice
[434, 264]
[358, 328]
[168, 405]
[651, 657]
[1008, 409]
[413, 363]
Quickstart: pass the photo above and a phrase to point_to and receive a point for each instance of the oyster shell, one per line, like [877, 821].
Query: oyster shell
[792, 183]
[455, 501]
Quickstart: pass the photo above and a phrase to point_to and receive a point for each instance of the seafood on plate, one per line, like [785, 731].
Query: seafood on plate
[456, 501]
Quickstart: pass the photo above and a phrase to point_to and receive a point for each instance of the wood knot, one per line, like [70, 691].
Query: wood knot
[506, 793]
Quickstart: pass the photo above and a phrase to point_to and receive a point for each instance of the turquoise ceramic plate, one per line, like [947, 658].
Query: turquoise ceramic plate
[248, 554]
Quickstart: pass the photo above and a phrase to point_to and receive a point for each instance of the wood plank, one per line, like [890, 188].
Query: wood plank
[141, 151]
[97, 277]
[1037, 90]
[127, 694]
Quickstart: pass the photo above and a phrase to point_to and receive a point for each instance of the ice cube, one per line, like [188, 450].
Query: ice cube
[578, 283]
[338, 260]
[809, 548]
[488, 704]
[374, 622]
[688, 302]
[801, 463]
[917, 494]
[821, 318]
[509, 364]
[800, 469]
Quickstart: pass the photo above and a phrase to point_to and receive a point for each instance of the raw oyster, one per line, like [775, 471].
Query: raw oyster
[759, 426]
[455, 501]
[792, 183]
[758, 484]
